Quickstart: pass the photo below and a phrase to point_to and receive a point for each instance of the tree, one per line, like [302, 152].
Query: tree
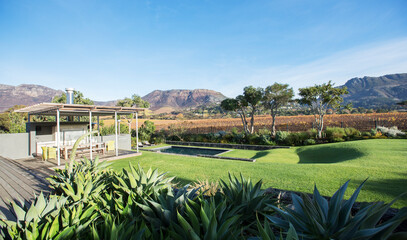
[135, 100]
[78, 98]
[320, 98]
[12, 122]
[245, 105]
[275, 97]
[146, 130]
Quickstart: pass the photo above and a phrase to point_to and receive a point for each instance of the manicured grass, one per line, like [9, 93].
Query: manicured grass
[383, 161]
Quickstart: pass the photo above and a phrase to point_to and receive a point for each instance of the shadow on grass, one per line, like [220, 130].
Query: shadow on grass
[328, 154]
[260, 154]
[388, 187]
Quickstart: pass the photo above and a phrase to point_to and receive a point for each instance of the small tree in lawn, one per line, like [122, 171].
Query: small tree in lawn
[320, 98]
[134, 101]
[245, 105]
[275, 97]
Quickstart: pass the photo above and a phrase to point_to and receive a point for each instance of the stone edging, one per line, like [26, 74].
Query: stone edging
[226, 145]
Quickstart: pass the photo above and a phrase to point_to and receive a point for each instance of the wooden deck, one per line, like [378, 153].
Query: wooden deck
[20, 180]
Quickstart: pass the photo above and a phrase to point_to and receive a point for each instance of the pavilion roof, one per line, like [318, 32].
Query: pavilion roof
[50, 109]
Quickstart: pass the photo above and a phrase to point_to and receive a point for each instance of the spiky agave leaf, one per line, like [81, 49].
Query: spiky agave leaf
[317, 218]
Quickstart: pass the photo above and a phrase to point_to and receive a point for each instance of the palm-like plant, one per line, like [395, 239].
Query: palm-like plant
[317, 218]
[140, 184]
[208, 219]
[162, 211]
[249, 198]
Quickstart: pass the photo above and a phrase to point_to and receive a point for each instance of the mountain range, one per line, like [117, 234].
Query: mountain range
[368, 92]
[375, 92]
[178, 99]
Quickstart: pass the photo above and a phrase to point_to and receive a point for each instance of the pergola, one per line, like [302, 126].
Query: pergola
[58, 110]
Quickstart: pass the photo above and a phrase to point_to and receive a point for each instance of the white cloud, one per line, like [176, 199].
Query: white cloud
[369, 60]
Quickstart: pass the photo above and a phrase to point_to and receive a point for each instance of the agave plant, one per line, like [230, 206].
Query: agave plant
[112, 229]
[266, 232]
[49, 218]
[246, 196]
[140, 184]
[206, 220]
[161, 212]
[317, 218]
[85, 170]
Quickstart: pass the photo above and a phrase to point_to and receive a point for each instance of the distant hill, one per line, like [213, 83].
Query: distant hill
[375, 92]
[177, 99]
[25, 94]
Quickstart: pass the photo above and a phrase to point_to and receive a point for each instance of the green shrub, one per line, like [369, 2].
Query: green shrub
[310, 142]
[145, 131]
[281, 137]
[297, 138]
[335, 134]
[352, 134]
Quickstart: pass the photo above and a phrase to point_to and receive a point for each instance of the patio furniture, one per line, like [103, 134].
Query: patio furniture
[52, 152]
[44, 153]
[110, 146]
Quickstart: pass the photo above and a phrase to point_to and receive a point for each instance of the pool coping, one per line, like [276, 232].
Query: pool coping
[217, 156]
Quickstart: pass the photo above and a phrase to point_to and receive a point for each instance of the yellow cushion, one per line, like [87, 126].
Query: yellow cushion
[110, 146]
[44, 153]
[52, 152]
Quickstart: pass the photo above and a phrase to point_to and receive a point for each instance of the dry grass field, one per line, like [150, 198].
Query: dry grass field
[362, 122]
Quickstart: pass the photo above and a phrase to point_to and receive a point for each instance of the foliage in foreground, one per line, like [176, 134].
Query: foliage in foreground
[95, 202]
[317, 218]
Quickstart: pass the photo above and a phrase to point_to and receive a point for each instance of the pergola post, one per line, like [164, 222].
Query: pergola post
[58, 139]
[29, 135]
[98, 126]
[90, 136]
[137, 131]
[115, 128]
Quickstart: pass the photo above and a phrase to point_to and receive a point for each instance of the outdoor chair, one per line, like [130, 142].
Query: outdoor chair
[52, 153]
[44, 153]
[110, 146]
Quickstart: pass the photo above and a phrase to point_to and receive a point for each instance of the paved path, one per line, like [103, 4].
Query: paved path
[20, 180]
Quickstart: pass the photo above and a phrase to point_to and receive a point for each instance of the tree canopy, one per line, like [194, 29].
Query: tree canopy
[275, 97]
[135, 100]
[320, 98]
[245, 105]
[78, 99]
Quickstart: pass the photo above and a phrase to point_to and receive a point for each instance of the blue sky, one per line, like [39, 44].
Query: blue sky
[113, 49]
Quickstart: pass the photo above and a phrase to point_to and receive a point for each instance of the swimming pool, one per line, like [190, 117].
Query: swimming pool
[191, 151]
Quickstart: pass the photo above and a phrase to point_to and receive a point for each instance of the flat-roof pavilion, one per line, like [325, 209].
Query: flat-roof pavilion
[62, 109]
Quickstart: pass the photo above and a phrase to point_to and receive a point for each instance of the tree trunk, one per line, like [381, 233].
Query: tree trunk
[320, 125]
[273, 125]
[244, 122]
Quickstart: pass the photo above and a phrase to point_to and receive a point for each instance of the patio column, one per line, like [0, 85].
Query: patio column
[115, 128]
[90, 136]
[58, 139]
[29, 135]
[98, 126]
[136, 132]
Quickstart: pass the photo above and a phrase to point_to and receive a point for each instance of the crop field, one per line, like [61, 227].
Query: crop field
[362, 122]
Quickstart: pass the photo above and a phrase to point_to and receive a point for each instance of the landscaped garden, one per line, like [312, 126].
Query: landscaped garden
[382, 161]
[93, 200]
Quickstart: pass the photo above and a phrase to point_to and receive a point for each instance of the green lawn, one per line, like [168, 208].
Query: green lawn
[383, 161]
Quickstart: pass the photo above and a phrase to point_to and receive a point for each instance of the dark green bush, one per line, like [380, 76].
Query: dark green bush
[281, 137]
[352, 134]
[335, 134]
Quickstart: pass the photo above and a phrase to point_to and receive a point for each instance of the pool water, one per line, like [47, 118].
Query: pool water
[192, 151]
